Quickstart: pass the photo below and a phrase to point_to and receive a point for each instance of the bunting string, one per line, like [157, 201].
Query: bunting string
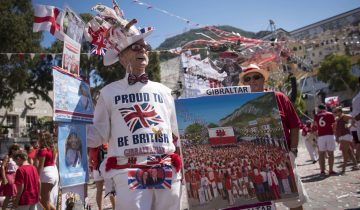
[148, 6]
[22, 56]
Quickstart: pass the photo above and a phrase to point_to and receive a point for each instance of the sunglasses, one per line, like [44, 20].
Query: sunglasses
[138, 47]
[255, 77]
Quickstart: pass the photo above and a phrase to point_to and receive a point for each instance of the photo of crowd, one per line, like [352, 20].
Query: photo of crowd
[253, 167]
[237, 174]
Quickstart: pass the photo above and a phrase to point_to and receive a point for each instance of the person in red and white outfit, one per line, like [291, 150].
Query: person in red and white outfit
[96, 156]
[309, 138]
[136, 117]
[8, 170]
[324, 121]
[48, 172]
[343, 122]
[255, 76]
[28, 183]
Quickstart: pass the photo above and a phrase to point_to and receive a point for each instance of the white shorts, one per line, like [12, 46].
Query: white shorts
[326, 143]
[96, 175]
[108, 183]
[220, 185]
[109, 186]
[347, 137]
[188, 185]
[49, 174]
[303, 197]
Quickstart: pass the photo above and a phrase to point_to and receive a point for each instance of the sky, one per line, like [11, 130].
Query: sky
[218, 108]
[249, 15]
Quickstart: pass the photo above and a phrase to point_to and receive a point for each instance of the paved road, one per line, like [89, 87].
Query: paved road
[330, 192]
[325, 193]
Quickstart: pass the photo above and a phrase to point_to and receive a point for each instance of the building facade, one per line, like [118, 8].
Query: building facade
[26, 110]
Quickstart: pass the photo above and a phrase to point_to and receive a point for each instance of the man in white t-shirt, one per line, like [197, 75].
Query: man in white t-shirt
[136, 117]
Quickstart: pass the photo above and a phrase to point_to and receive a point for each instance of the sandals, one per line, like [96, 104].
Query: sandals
[355, 168]
[331, 173]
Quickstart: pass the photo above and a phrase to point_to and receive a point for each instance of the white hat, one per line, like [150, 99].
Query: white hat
[112, 31]
[254, 68]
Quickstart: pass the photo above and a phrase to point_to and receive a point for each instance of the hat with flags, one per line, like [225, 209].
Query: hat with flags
[112, 31]
[254, 68]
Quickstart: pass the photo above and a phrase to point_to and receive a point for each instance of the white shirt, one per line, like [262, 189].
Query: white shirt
[136, 120]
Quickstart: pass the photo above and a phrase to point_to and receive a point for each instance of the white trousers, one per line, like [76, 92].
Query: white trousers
[148, 199]
[312, 151]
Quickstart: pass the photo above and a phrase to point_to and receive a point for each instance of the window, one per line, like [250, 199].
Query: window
[11, 120]
[30, 121]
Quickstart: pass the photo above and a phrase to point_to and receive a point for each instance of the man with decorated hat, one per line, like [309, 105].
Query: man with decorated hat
[135, 116]
[256, 77]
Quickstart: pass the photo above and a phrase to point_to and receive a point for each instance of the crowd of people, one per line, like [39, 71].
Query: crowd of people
[328, 129]
[29, 177]
[244, 170]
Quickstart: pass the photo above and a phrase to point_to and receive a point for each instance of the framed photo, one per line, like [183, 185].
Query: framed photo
[72, 98]
[234, 151]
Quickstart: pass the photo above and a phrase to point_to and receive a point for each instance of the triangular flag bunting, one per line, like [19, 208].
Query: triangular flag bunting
[8, 55]
[21, 56]
[32, 55]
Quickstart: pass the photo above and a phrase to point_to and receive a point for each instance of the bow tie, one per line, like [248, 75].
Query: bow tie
[132, 79]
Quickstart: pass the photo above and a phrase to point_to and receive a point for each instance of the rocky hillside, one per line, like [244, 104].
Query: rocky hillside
[181, 39]
[262, 106]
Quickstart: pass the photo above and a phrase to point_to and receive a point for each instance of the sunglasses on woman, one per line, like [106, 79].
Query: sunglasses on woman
[254, 77]
[137, 47]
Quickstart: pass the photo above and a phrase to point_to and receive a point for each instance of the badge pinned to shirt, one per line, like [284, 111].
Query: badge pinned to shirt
[152, 178]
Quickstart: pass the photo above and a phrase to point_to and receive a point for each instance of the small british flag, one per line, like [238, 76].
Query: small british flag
[99, 45]
[98, 50]
[140, 116]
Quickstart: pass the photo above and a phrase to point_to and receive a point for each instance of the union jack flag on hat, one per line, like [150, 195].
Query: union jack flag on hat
[120, 32]
[98, 50]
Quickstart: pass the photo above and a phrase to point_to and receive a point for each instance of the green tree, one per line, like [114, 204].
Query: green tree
[153, 69]
[336, 71]
[194, 132]
[16, 37]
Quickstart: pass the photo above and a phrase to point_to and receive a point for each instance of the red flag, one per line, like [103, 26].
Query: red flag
[21, 56]
[48, 18]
